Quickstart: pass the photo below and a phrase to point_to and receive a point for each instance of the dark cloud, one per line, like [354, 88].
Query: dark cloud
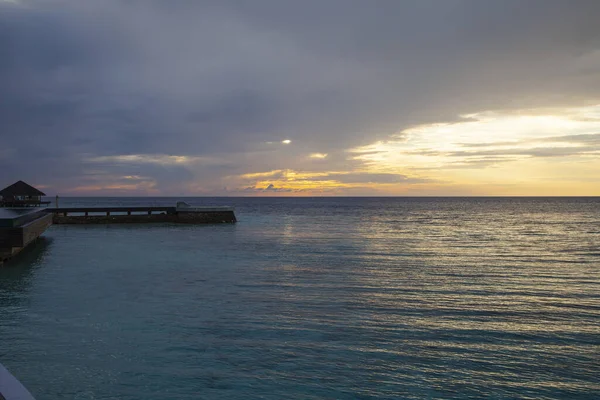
[506, 151]
[583, 139]
[485, 162]
[533, 152]
[269, 189]
[364, 177]
[84, 79]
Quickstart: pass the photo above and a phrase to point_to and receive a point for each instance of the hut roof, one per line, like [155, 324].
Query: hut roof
[20, 189]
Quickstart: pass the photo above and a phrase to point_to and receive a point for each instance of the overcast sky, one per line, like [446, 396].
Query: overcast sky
[312, 97]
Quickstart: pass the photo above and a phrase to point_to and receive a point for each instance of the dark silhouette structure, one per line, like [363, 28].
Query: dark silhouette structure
[21, 194]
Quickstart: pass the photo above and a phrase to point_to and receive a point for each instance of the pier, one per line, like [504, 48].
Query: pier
[124, 215]
[21, 224]
[19, 227]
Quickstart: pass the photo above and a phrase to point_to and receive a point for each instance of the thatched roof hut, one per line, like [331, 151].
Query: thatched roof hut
[21, 194]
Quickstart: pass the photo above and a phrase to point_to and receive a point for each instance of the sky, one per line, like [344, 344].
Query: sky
[301, 98]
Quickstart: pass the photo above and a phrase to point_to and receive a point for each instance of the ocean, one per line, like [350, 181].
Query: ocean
[313, 298]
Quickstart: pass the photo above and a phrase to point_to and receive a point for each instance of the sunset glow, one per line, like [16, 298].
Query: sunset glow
[323, 107]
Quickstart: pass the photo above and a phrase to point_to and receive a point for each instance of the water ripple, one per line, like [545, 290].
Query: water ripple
[314, 298]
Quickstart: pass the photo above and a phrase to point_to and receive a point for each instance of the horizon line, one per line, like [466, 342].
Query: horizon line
[357, 196]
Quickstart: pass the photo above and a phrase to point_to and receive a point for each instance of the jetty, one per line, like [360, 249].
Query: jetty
[181, 213]
[20, 226]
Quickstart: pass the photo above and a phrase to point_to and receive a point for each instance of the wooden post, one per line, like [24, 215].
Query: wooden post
[129, 212]
[86, 213]
[149, 212]
[56, 201]
[108, 213]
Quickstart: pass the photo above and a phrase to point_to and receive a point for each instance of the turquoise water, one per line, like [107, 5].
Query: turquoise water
[314, 299]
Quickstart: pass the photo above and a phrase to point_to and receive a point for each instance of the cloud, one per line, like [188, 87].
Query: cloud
[190, 93]
[531, 152]
[160, 159]
[484, 136]
[269, 189]
[261, 175]
[583, 139]
[272, 188]
[325, 182]
[366, 177]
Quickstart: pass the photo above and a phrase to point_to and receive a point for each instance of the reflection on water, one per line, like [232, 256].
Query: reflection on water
[17, 274]
[316, 298]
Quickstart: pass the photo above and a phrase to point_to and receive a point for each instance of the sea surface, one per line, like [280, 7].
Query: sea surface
[313, 298]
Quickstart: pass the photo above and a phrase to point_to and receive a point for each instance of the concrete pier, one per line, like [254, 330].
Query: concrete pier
[137, 215]
[20, 227]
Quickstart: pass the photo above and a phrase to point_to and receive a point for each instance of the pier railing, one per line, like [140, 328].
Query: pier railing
[116, 215]
[65, 211]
